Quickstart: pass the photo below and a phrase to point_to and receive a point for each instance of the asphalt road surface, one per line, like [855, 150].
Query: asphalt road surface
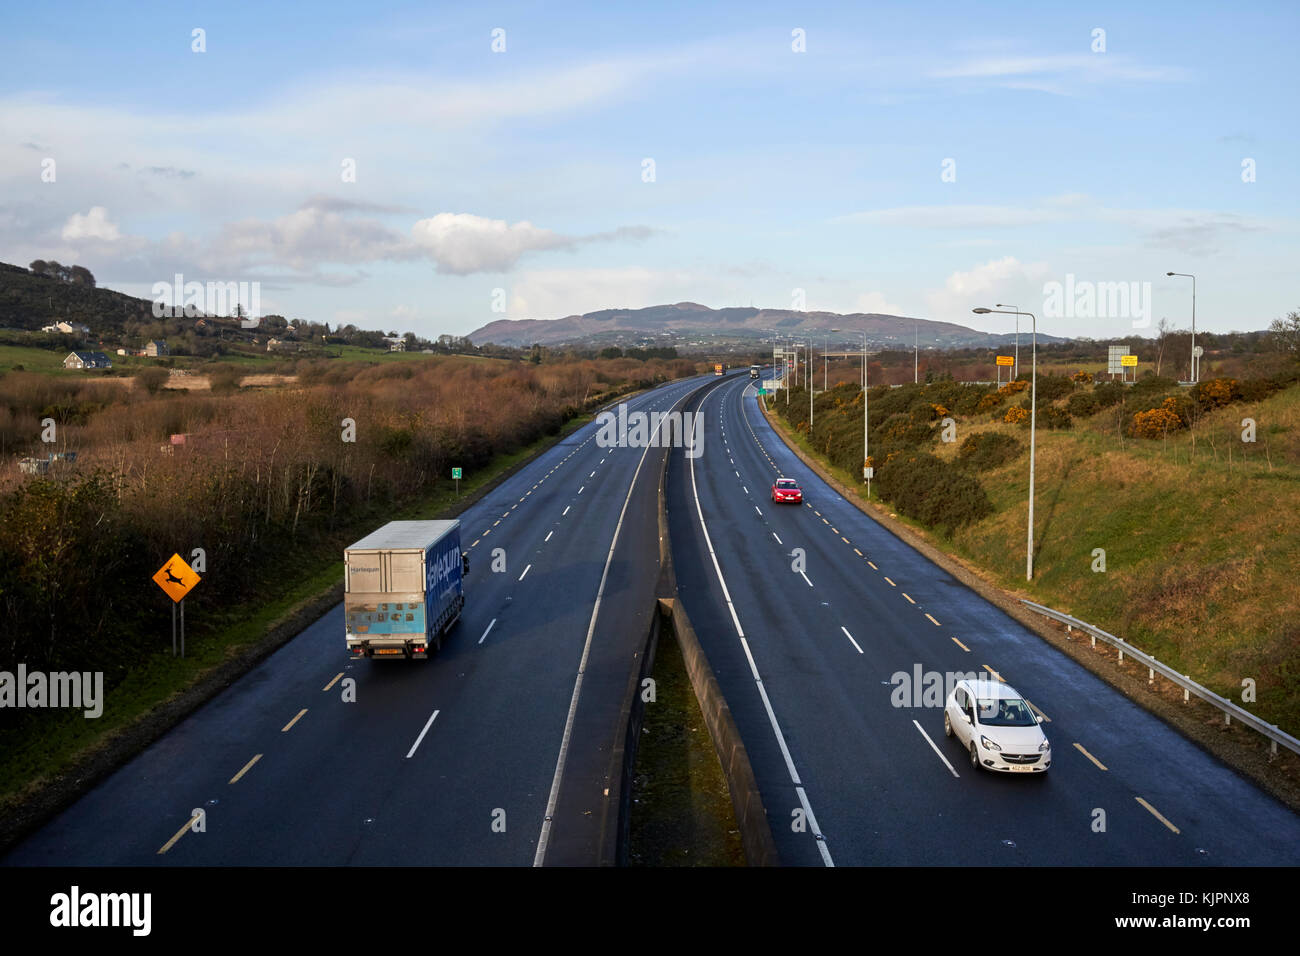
[447, 761]
[806, 660]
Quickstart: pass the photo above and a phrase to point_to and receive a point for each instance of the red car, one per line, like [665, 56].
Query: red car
[786, 490]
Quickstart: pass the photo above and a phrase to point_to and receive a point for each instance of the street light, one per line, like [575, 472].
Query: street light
[1002, 305]
[1196, 370]
[1033, 414]
[866, 405]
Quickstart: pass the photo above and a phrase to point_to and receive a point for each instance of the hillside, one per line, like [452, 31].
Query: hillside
[29, 301]
[684, 320]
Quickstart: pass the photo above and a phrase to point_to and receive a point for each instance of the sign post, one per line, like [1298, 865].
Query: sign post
[1004, 360]
[177, 579]
[455, 474]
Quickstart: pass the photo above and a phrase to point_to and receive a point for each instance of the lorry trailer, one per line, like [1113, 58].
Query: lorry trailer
[403, 589]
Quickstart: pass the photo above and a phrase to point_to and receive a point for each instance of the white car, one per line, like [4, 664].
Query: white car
[997, 726]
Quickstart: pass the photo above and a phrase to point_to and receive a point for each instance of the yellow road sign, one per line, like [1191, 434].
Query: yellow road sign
[1006, 360]
[176, 578]
[1128, 360]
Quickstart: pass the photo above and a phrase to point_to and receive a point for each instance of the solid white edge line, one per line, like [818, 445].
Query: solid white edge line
[544, 838]
[427, 724]
[816, 830]
[935, 749]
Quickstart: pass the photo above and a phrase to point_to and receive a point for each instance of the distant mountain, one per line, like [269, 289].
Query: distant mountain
[683, 322]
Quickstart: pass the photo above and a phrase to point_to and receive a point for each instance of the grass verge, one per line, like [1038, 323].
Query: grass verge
[681, 812]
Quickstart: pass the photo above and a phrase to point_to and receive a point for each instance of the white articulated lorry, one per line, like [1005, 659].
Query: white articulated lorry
[403, 588]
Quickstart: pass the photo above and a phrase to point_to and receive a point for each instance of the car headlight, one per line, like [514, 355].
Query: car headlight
[988, 744]
[1045, 746]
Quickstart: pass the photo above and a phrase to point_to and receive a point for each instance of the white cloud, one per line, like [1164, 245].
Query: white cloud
[1194, 231]
[1053, 74]
[462, 243]
[93, 225]
[997, 280]
[306, 238]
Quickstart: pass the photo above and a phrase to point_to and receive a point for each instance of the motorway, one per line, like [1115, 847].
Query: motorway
[805, 659]
[496, 751]
[453, 760]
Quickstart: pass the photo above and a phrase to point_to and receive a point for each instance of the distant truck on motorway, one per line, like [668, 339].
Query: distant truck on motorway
[403, 589]
[754, 370]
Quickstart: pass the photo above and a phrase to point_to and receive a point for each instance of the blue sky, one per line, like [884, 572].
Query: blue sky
[774, 170]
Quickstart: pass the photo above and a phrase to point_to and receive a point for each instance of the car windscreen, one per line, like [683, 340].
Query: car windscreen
[1007, 712]
[786, 483]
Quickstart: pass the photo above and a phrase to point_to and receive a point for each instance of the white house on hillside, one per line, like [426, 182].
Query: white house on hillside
[87, 360]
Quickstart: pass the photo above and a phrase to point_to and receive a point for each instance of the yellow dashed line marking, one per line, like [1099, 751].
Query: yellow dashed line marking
[961, 645]
[858, 553]
[179, 833]
[1156, 813]
[909, 600]
[994, 673]
[286, 727]
[1100, 765]
[1046, 719]
[497, 522]
[891, 583]
[844, 539]
[933, 621]
[476, 541]
[248, 766]
[873, 567]
[333, 682]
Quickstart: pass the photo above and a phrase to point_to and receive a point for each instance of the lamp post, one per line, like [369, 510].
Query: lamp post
[1033, 413]
[866, 406]
[1196, 366]
[826, 368]
[1003, 305]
